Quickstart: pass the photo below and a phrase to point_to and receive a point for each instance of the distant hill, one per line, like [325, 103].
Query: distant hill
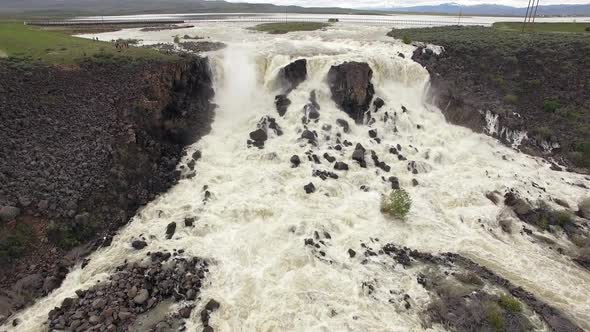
[122, 7]
[491, 9]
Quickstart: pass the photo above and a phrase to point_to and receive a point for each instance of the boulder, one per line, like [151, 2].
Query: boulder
[351, 253]
[292, 75]
[259, 135]
[341, 166]
[170, 230]
[394, 182]
[343, 124]
[311, 112]
[351, 87]
[9, 213]
[329, 158]
[212, 305]
[309, 136]
[378, 103]
[295, 161]
[282, 104]
[359, 155]
[189, 222]
[309, 188]
[138, 244]
[142, 296]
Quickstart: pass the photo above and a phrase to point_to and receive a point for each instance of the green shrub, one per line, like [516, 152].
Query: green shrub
[176, 39]
[14, 242]
[500, 82]
[406, 40]
[509, 303]
[542, 133]
[469, 278]
[511, 99]
[495, 317]
[70, 234]
[563, 217]
[582, 154]
[587, 29]
[551, 105]
[397, 204]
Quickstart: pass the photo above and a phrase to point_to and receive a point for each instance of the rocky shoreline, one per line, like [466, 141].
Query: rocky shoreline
[508, 84]
[82, 148]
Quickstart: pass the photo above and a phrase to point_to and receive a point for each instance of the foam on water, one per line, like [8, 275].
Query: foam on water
[253, 227]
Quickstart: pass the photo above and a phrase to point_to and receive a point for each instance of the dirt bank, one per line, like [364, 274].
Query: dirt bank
[81, 149]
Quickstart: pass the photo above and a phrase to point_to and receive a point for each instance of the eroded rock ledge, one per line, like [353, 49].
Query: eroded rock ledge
[82, 148]
[528, 90]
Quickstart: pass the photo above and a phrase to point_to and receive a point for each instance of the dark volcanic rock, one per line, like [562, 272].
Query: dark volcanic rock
[102, 139]
[309, 136]
[138, 244]
[340, 166]
[394, 182]
[351, 88]
[295, 161]
[309, 188]
[359, 155]
[170, 230]
[329, 158]
[342, 123]
[134, 289]
[292, 75]
[259, 135]
[282, 104]
[378, 103]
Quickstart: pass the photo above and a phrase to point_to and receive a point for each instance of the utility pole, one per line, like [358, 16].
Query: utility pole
[535, 15]
[286, 8]
[526, 16]
[460, 14]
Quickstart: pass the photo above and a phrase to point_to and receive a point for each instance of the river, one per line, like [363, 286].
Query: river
[253, 227]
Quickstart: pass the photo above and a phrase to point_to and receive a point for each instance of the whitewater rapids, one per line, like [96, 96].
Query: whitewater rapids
[253, 227]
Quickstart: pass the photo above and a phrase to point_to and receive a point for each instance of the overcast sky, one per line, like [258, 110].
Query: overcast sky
[404, 3]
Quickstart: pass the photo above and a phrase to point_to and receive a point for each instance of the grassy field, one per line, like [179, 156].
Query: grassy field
[281, 28]
[26, 43]
[543, 27]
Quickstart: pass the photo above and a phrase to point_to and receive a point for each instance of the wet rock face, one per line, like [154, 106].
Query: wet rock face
[292, 75]
[282, 104]
[351, 87]
[131, 291]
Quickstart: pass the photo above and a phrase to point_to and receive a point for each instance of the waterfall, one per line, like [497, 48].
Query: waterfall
[253, 227]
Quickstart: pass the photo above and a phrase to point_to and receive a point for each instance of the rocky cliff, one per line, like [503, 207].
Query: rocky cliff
[81, 149]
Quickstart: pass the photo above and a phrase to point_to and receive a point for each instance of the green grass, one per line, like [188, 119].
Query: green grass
[543, 27]
[509, 303]
[28, 43]
[282, 28]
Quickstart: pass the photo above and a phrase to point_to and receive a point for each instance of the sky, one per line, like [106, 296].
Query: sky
[405, 3]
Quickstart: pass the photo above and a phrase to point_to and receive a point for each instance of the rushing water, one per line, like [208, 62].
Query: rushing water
[253, 227]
